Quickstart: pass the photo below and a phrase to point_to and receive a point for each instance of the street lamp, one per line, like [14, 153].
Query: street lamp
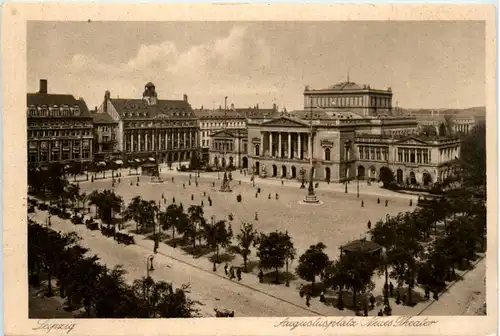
[149, 265]
[347, 145]
[303, 178]
[386, 285]
[311, 197]
[357, 186]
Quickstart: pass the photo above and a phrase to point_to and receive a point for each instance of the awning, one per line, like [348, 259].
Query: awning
[119, 162]
[137, 160]
[101, 163]
[151, 159]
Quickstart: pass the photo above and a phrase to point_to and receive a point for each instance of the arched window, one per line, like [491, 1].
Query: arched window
[257, 150]
[327, 154]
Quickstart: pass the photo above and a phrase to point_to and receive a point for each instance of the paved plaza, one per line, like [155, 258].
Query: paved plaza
[338, 220]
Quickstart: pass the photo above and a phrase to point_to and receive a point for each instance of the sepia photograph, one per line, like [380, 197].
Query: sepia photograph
[279, 169]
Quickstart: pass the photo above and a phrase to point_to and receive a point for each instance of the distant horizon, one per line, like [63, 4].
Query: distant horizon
[428, 64]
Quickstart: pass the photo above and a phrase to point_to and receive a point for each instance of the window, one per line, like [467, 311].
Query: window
[32, 157]
[327, 154]
[372, 153]
[245, 148]
[400, 155]
[367, 153]
[360, 152]
[412, 156]
[257, 150]
[406, 155]
[379, 156]
[426, 156]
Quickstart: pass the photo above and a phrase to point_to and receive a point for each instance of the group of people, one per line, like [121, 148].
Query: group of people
[232, 272]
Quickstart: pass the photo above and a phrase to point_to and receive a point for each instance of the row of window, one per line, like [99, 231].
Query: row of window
[373, 153]
[329, 101]
[222, 123]
[57, 133]
[222, 146]
[144, 146]
[414, 155]
[145, 114]
[54, 111]
[57, 156]
[58, 144]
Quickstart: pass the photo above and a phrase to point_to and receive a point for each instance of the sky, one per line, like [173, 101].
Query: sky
[432, 64]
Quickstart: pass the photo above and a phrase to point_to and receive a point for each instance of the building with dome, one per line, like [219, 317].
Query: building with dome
[357, 98]
[151, 128]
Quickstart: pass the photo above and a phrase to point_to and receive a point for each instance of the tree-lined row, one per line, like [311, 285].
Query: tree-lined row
[84, 283]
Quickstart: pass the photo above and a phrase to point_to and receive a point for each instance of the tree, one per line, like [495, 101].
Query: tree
[219, 235]
[175, 218]
[273, 251]
[142, 212]
[195, 161]
[193, 228]
[73, 193]
[386, 176]
[312, 263]
[473, 157]
[56, 182]
[75, 168]
[354, 271]
[107, 203]
[246, 238]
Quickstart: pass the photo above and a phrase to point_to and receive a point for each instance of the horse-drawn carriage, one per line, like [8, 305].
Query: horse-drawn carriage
[91, 225]
[223, 312]
[124, 238]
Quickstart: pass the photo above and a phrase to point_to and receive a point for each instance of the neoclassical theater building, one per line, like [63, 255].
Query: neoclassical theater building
[345, 145]
[151, 126]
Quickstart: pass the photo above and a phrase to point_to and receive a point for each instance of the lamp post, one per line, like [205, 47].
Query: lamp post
[386, 285]
[225, 181]
[357, 186]
[149, 265]
[311, 196]
[303, 178]
[347, 146]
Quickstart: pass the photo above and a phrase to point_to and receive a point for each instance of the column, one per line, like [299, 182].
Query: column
[289, 145]
[309, 144]
[280, 152]
[138, 141]
[172, 132]
[261, 147]
[271, 144]
[184, 138]
[299, 150]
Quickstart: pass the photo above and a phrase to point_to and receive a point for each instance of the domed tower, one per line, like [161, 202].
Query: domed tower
[149, 94]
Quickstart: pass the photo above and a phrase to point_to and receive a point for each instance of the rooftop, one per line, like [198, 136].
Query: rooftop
[59, 100]
[103, 118]
[139, 109]
[346, 86]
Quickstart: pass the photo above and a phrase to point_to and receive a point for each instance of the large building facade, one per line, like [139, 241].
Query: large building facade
[105, 137]
[60, 128]
[153, 128]
[229, 147]
[344, 147]
[349, 96]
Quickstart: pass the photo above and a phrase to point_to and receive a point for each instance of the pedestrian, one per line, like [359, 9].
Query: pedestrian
[256, 216]
[190, 176]
[411, 202]
[435, 295]
[378, 200]
[322, 298]
[261, 276]
[119, 180]
[403, 301]
[164, 201]
[209, 202]
[155, 249]
[213, 184]
[372, 301]
[369, 225]
[282, 182]
[131, 183]
[162, 196]
[196, 184]
[269, 197]
[138, 179]
[239, 182]
[137, 184]
[258, 190]
[231, 273]
[365, 311]
[238, 273]
[192, 197]
[308, 299]
[172, 179]
[184, 186]
[173, 199]
[391, 289]
[380, 313]
[256, 195]
[202, 204]
[189, 182]
[427, 292]
[362, 203]
[398, 298]
[386, 202]
[277, 196]
[204, 193]
[225, 269]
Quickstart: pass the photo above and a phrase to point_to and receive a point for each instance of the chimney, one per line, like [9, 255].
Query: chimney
[43, 86]
[185, 98]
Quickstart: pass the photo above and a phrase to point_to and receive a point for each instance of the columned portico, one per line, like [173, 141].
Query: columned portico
[285, 145]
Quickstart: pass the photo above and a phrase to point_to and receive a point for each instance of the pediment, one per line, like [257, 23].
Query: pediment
[411, 141]
[222, 134]
[285, 122]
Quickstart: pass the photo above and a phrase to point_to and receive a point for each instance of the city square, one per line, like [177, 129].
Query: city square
[284, 200]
